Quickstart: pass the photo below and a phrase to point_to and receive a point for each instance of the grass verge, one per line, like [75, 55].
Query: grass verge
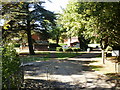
[43, 56]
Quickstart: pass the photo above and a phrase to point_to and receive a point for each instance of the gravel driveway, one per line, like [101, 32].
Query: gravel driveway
[71, 74]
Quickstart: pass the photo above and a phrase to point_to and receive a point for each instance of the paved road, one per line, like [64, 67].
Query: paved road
[71, 74]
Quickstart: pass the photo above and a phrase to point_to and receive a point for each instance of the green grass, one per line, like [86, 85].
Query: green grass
[43, 56]
[61, 44]
[64, 55]
[113, 75]
[96, 68]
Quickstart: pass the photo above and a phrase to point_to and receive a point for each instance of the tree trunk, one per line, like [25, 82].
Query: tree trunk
[104, 44]
[30, 43]
[70, 41]
[79, 42]
[57, 40]
[83, 42]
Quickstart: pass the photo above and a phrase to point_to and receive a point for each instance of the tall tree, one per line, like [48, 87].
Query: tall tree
[57, 31]
[74, 20]
[95, 20]
[105, 19]
[24, 16]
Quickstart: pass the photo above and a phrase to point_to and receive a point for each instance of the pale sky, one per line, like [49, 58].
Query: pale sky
[55, 5]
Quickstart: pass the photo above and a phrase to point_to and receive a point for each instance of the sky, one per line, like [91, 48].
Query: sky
[55, 5]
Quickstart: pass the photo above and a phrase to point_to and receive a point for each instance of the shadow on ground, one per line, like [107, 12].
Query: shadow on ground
[63, 68]
[32, 84]
[60, 67]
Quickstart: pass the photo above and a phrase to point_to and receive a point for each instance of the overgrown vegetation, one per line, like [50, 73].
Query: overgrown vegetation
[11, 77]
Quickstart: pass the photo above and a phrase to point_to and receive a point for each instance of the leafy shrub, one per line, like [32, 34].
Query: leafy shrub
[59, 49]
[67, 50]
[10, 63]
[116, 47]
[17, 45]
[61, 44]
[53, 46]
[76, 49]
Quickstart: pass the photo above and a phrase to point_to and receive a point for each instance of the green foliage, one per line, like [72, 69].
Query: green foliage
[43, 56]
[67, 50]
[61, 44]
[74, 21]
[65, 55]
[21, 16]
[70, 49]
[10, 64]
[97, 22]
[104, 23]
[16, 45]
[59, 49]
[52, 46]
[57, 31]
[76, 49]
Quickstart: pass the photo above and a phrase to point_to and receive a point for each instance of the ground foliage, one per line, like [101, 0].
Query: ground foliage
[11, 77]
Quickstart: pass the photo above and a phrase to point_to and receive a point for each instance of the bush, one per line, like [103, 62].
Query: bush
[67, 50]
[59, 49]
[17, 45]
[61, 44]
[117, 47]
[10, 63]
[76, 49]
[53, 46]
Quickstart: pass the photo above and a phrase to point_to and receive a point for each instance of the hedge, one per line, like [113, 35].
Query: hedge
[59, 49]
[68, 49]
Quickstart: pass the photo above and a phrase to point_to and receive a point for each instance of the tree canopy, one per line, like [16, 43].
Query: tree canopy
[26, 16]
[98, 21]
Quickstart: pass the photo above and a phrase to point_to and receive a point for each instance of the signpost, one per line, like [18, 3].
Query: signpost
[117, 54]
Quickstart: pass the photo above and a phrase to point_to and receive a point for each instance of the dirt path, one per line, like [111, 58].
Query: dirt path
[71, 74]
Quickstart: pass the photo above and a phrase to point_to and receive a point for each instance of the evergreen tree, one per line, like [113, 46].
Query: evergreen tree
[23, 16]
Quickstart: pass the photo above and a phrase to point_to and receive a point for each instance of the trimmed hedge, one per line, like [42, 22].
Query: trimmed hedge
[17, 45]
[76, 49]
[68, 49]
[59, 49]
[53, 46]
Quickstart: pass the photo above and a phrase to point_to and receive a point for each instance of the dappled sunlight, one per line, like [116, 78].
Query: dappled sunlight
[76, 48]
[79, 72]
[71, 73]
